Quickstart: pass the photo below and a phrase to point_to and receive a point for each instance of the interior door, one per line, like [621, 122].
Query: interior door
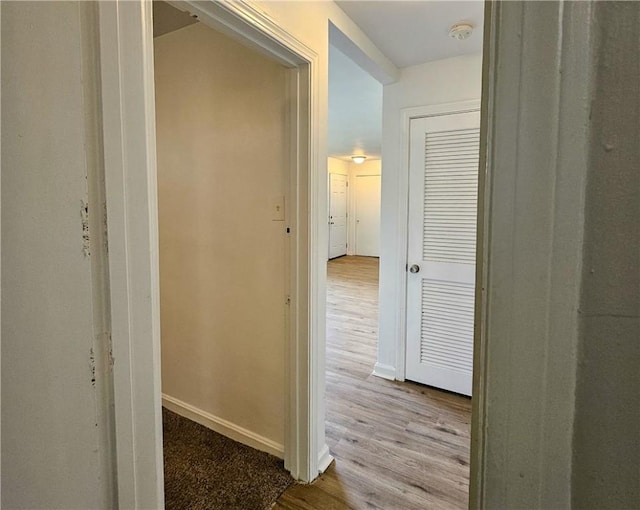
[337, 215]
[443, 197]
[367, 200]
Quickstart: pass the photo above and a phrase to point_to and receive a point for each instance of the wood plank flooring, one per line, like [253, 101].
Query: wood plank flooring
[398, 446]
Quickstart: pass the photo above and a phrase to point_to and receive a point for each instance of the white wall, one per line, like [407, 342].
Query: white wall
[221, 136]
[56, 449]
[441, 81]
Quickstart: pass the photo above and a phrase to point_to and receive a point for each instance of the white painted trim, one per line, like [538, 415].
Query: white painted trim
[0, 259]
[244, 21]
[407, 114]
[535, 154]
[384, 371]
[128, 112]
[222, 426]
[478, 409]
[325, 459]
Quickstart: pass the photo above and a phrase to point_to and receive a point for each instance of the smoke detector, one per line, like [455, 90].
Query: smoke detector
[461, 31]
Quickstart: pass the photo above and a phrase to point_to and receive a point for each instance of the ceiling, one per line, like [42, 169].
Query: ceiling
[355, 109]
[414, 32]
[408, 33]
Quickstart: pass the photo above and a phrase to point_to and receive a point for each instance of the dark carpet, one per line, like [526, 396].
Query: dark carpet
[204, 470]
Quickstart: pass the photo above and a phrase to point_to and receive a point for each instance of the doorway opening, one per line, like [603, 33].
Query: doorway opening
[305, 354]
[222, 141]
[398, 440]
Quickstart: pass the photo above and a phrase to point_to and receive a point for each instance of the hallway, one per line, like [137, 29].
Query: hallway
[396, 445]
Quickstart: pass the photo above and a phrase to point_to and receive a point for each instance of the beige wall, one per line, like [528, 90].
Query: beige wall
[221, 161]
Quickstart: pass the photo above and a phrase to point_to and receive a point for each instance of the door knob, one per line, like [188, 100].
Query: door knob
[415, 268]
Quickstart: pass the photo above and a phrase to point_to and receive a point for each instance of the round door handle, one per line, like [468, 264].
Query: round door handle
[415, 268]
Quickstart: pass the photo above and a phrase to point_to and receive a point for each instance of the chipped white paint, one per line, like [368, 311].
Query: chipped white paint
[84, 215]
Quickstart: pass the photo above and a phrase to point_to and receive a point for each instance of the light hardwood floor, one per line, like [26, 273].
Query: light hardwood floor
[398, 446]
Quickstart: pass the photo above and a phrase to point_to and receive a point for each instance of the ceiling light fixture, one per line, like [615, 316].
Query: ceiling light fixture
[358, 159]
[460, 31]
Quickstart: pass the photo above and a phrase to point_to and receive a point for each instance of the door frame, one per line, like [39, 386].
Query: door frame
[402, 239]
[127, 95]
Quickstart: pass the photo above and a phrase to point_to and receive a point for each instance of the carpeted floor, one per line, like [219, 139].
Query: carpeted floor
[204, 470]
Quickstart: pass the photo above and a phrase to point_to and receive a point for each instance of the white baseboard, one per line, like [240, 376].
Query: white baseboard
[384, 371]
[324, 460]
[222, 426]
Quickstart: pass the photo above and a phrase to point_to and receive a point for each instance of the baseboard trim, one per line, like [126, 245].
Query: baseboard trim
[325, 459]
[384, 371]
[222, 426]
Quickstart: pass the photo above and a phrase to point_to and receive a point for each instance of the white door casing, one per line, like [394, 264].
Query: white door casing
[338, 187]
[367, 198]
[126, 57]
[443, 198]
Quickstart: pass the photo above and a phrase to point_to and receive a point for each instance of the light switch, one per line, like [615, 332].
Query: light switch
[277, 208]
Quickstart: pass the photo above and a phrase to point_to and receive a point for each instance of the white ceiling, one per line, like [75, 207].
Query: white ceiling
[408, 33]
[355, 109]
[414, 32]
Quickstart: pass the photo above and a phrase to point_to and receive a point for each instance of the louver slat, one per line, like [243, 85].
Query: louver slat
[447, 327]
[450, 196]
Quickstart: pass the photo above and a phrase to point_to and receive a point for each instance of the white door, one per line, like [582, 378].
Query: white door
[443, 197]
[337, 215]
[367, 200]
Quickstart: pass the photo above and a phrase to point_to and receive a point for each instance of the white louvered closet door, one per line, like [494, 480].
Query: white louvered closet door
[443, 198]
